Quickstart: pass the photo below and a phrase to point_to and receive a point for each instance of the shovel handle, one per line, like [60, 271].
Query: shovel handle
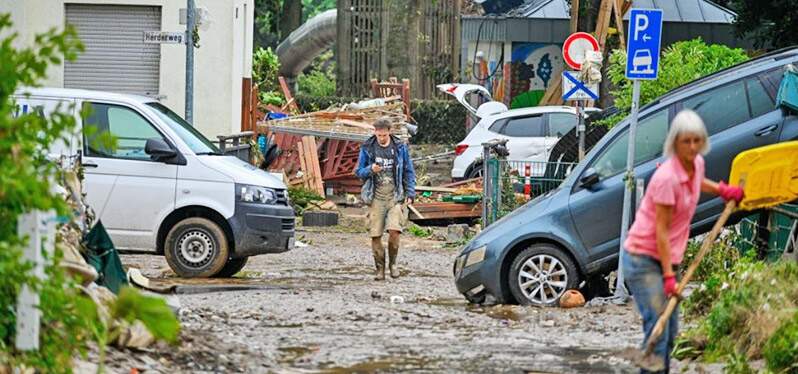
[705, 247]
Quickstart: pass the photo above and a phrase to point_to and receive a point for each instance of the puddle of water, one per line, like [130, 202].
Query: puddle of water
[389, 364]
[503, 311]
[289, 355]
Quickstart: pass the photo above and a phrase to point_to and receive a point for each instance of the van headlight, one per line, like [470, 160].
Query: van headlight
[256, 194]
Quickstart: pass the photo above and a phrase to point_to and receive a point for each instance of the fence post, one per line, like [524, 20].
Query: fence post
[39, 228]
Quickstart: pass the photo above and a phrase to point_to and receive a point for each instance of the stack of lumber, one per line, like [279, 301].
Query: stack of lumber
[345, 123]
[310, 177]
[449, 201]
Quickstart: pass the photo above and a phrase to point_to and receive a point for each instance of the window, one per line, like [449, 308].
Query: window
[722, 107]
[531, 126]
[760, 100]
[561, 123]
[193, 138]
[129, 128]
[498, 126]
[650, 136]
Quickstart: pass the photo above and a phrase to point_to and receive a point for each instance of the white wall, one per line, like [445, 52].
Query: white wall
[223, 59]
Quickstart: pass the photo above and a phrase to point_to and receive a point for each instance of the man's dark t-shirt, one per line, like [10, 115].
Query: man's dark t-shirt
[384, 180]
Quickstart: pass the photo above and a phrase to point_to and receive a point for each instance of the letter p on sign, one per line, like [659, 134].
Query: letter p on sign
[641, 23]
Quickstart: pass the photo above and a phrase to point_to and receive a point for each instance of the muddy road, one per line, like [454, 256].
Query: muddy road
[317, 309]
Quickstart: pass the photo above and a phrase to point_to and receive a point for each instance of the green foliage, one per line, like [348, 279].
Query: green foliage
[781, 350]
[301, 197]
[439, 121]
[747, 312]
[419, 232]
[309, 103]
[265, 69]
[719, 260]
[311, 8]
[132, 305]
[771, 24]
[320, 81]
[682, 62]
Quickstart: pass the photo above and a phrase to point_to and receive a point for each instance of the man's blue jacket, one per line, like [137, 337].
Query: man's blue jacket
[404, 174]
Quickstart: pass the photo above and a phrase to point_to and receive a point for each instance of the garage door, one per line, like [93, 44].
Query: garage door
[116, 58]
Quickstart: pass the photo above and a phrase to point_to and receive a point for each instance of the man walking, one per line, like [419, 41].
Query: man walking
[390, 185]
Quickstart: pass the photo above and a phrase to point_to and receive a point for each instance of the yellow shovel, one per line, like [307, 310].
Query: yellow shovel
[769, 177]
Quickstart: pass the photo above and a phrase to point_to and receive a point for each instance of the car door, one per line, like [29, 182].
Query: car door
[128, 191]
[596, 211]
[738, 116]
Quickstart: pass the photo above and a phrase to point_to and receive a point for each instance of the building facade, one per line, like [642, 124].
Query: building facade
[117, 59]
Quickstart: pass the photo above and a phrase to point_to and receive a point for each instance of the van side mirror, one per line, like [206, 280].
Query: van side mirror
[590, 178]
[158, 149]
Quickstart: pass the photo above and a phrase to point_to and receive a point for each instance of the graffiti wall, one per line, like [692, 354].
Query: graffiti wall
[534, 65]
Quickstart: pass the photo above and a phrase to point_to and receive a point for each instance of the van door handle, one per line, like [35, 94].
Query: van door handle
[89, 165]
[766, 130]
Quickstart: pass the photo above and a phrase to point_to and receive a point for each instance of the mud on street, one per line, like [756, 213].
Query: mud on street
[317, 309]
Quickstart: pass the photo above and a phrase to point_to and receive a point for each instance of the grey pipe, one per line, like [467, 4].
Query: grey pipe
[308, 41]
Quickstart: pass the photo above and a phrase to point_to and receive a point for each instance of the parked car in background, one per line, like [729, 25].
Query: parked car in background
[166, 189]
[530, 132]
[572, 233]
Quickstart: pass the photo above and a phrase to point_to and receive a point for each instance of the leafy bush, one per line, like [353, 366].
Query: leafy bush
[301, 197]
[681, 63]
[748, 312]
[418, 231]
[265, 70]
[320, 81]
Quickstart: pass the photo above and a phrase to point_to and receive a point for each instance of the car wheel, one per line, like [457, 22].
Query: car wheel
[540, 274]
[474, 171]
[232, 267]
[196, 248]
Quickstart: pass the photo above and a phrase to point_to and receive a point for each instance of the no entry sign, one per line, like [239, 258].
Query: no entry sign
[573, 51]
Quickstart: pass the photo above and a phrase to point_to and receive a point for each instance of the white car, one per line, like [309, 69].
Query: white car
[530, 132]
[165, 189]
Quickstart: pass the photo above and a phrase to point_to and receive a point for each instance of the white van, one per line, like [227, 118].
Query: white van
[166, 189]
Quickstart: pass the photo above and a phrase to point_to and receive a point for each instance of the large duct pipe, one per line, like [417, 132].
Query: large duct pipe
[305, 43]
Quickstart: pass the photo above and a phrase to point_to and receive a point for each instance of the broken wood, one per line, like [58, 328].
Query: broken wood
[358, 124]
[435, 189]
[415, 211]
[290, 103]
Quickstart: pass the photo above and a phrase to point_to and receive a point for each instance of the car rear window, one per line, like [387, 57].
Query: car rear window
[531, 126]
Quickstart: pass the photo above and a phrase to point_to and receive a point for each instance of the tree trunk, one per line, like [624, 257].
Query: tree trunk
[291, 17]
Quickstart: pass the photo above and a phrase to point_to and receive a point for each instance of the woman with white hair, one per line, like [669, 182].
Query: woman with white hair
[657, 240]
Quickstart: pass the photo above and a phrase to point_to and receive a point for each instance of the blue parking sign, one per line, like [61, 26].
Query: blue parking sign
[642, 50]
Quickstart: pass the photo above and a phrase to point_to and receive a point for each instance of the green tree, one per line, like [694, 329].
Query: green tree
[771, 24]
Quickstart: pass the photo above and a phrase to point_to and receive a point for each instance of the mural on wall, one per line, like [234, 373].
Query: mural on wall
[533, 67]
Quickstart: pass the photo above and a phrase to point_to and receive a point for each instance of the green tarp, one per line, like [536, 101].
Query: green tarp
[105, 259]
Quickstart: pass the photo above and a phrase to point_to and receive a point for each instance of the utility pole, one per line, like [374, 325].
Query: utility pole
[190, 62]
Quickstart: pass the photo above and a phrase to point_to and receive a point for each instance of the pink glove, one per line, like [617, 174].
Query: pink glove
[728, 192]
[669, 285]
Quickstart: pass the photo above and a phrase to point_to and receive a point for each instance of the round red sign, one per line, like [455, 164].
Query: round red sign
[574, 48]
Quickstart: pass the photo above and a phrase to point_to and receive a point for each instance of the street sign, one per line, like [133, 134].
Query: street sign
[164, 37]
[642, 49]
[574, 89]
[575, 47]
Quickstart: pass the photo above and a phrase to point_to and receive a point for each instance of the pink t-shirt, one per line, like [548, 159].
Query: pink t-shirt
[671, 186]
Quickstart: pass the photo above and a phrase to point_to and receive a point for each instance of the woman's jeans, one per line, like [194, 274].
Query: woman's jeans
[643, 275]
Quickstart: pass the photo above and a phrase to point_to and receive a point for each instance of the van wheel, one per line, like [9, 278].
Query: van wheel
[196, 248]
[232, 267]
[540, 274]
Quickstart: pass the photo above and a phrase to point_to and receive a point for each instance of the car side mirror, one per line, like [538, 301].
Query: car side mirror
[590, 178]
[158, 149]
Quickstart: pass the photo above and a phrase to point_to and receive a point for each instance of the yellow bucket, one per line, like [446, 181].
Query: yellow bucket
[769, 175]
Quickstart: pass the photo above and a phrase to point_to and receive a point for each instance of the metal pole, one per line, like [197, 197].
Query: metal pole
[190, 62]
[580, 127]
[39, 228]
[486, 192]
[629, 180]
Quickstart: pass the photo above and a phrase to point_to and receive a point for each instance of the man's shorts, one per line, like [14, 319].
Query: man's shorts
[386, 215]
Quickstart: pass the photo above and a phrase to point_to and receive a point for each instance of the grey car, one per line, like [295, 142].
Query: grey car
[572, 233]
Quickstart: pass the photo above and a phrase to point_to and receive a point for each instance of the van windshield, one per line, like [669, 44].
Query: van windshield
[193, 138]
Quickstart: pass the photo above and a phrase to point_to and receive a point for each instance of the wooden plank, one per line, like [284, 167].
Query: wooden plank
[553, 95]
[435, 189]
[312, 162]
[415, 211]
[574, 15]
[617, 10]
[463, 182]
[603, 23]
[358, 124]
[288, 97]
[302, 164]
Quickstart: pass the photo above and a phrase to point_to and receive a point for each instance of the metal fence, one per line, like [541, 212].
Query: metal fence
[512, 183]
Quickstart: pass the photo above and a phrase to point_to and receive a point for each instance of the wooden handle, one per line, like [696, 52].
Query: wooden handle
[705, 247]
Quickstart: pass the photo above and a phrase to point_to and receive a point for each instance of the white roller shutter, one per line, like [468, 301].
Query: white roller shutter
[116, 58]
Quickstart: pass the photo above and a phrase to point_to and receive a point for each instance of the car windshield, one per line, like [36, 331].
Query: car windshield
[198, 143]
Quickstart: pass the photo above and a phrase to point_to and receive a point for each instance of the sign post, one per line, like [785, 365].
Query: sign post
[190, 61]
[574, 53]
[642, 62]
